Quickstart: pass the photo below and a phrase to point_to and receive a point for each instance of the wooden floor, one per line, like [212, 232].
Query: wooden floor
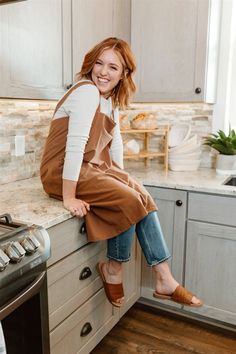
[141, 331]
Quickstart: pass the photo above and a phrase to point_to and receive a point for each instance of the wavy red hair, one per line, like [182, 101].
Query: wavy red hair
[123, 91]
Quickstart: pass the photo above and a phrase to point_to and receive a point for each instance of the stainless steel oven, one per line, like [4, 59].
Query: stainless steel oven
[24, 250]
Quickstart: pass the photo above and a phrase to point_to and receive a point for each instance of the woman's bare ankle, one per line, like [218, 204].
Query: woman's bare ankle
[114, 267]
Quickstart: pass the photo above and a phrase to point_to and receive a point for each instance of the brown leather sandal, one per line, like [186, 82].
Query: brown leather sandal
[180, 295]
[113, 292]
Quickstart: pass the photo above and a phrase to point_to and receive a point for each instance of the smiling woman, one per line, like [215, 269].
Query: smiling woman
[111, 61]
[83, 165]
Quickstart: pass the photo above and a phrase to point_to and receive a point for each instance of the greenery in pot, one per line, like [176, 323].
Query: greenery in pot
[225, 144]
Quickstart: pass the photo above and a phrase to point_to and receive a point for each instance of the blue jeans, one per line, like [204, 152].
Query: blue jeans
[150, 237]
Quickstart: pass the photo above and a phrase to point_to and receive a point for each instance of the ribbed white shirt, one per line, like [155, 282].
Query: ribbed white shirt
[80, 106]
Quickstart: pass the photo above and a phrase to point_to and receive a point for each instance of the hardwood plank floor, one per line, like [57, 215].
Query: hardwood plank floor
[142, 331]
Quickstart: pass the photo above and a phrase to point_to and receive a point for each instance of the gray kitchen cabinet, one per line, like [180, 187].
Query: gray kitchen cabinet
[35, 49]
[79, 313]
[201, 236]
[172, 206]
[42, 43]
[210, 269]
[176, 47]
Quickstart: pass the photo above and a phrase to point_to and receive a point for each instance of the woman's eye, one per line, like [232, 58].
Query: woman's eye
[114, 67]
[98, 62]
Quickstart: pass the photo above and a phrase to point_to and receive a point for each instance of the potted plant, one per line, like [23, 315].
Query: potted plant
[226, 146]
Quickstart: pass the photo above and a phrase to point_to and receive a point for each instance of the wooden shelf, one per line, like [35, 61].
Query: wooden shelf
[146, 154]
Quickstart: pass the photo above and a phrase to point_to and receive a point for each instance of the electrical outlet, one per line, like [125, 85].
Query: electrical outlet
[19, 145]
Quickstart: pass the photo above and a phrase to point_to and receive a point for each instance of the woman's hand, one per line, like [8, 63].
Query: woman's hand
[77, 207]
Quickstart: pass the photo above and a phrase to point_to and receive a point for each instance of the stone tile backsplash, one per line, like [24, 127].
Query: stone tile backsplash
[27, 122]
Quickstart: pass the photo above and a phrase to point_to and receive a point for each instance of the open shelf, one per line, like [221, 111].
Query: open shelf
[146, 154]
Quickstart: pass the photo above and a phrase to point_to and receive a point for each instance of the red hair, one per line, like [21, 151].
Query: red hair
[123, 91]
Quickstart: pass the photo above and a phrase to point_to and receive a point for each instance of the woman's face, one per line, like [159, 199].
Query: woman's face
[107, 71]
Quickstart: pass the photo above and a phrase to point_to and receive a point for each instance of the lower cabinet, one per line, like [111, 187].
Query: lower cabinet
[201, 235]
[79, 313]
[172, 213]
[211, 269]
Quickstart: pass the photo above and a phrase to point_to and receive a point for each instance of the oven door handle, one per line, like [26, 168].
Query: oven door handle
[22, 297]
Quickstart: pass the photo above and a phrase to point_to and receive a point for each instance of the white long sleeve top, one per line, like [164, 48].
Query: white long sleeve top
[80, 106]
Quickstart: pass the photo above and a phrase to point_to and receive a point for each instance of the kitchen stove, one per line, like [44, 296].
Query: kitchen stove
[24, 250]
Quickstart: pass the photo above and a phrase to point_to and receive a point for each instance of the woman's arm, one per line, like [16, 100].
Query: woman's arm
[81, 107]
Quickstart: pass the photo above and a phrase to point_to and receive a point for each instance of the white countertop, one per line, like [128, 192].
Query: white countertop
[26, 201]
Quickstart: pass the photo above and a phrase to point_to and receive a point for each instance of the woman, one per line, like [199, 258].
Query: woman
[82, 165]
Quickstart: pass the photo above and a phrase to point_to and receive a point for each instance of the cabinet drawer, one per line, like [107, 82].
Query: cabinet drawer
[212, 208]
[97, 315]
[66, 290]
[66, 238]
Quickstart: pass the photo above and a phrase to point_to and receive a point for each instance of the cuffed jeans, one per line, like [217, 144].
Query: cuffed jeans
[150, 237]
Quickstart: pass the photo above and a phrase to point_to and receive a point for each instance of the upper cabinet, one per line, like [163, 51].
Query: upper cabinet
[43, 42]
[176, 48]
[35, 49]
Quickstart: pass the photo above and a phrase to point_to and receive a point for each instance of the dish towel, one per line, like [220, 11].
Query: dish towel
[2, 341]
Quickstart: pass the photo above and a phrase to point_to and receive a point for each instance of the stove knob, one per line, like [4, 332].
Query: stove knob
[13, 253]
[4, 260]
[19, 248]
[2, 265]
[33, 240]
[28, 246]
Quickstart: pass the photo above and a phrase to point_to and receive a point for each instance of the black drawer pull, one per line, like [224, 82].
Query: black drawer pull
[82, 229]
[86, 329]
[179, 202]
[85, 273]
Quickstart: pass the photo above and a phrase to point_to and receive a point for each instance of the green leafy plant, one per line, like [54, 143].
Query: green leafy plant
[225, 144]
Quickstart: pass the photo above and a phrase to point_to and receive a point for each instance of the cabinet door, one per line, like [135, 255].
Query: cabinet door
[172, 212]
[94, 21]
[35, 49]
[171, 40]
[132, 278]
[211, 269]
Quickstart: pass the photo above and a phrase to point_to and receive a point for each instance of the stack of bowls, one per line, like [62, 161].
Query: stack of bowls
[184, 149]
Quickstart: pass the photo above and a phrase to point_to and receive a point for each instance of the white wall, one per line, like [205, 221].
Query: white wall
[224, 112]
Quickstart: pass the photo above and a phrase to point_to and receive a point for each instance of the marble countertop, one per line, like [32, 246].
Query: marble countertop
[26, 201]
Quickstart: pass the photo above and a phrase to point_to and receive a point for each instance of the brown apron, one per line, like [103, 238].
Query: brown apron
[116, 200]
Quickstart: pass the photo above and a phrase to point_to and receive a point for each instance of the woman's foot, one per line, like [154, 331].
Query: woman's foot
[167, 285]
[112, 274]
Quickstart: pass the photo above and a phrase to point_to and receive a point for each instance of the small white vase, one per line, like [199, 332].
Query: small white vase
[225, 164]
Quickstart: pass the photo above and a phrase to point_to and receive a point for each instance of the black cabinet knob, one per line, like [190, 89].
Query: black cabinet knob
[179, 202]
[86, 329]
[198, 90]
[85, 273]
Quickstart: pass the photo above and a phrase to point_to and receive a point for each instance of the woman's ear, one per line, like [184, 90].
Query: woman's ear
[124, 76]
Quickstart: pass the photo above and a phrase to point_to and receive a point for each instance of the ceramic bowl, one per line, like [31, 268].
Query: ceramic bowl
[178, 133]
[183, 165]
[186, 146]
[185, 156]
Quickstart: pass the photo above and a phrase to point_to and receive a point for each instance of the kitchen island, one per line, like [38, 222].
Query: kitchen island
[196, 211]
